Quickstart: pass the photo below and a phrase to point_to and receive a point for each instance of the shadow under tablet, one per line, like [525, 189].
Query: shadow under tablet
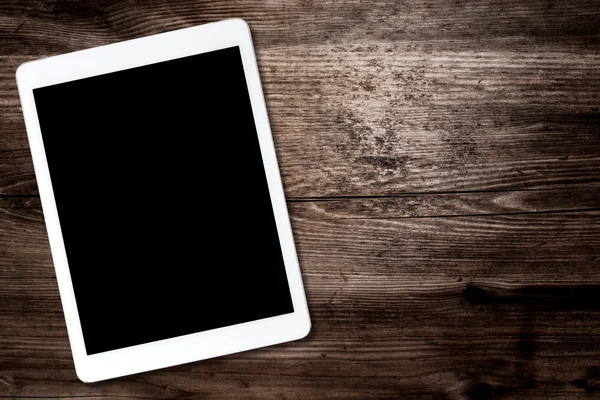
[163, 200]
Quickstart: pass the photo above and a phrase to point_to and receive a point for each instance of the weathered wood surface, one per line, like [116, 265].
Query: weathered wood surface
[442, 166]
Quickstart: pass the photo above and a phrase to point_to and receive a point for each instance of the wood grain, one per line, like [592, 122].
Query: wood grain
[414, 126]
[428, 307]
[52, 26]
[442, 169]
[377, 116]
[427, 205]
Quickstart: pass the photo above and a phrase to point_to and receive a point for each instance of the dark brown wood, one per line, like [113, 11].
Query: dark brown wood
[441, 162]
[373, 114]
[399, 307]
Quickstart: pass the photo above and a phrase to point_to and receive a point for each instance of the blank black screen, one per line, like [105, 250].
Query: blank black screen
[162, 200]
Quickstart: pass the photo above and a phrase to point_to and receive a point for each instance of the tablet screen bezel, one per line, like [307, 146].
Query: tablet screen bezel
[136, 53]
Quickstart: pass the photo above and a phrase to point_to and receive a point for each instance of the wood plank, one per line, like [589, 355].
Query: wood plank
[381, 119]
[269, 385]
[497, 223]
[38, 27]
[426, 307]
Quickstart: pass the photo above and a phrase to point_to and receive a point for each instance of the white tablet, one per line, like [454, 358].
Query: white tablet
[163, 200]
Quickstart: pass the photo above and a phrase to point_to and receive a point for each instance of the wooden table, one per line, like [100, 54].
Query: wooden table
[441, 162]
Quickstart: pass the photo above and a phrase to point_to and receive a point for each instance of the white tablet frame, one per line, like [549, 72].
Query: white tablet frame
[135, 53]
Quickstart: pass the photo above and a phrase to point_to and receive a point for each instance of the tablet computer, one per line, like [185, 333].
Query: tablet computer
[163, 200]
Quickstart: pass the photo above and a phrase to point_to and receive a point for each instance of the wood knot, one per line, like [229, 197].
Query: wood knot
[479, 391]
